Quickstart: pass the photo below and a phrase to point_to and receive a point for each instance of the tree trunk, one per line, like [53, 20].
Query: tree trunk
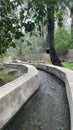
[41, 30]
[47, 38]
[42, 34]
[0, 48]
[53, 56]
[72, 22]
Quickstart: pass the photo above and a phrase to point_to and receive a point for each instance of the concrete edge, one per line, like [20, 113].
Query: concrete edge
[14, 94]
[66, 76]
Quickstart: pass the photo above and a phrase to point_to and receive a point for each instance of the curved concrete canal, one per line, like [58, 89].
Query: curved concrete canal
[47, 109]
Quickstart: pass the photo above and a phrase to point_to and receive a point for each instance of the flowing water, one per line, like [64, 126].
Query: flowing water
[46, 110]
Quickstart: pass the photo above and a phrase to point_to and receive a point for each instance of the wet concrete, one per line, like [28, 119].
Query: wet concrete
[47, 109]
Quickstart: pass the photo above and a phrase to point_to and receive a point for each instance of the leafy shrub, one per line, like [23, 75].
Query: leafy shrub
[63, 41]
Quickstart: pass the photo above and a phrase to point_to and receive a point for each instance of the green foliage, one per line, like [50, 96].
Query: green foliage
[62, 41]
[29, 26]
[18, 34]
[7, 77]
[32, 44]
[68, 65]
[9, 23]
[11, 52]
[59, 15]
[28, 44]
[37, 8]
[71, 44]
[69, 3]
[40, 9]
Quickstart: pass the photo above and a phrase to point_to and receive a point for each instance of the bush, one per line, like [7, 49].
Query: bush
[63, 41]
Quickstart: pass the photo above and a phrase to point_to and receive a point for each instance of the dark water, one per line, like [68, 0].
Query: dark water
[46, 110]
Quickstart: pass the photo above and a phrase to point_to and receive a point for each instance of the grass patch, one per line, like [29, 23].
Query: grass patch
[7, 77]
[68, 65]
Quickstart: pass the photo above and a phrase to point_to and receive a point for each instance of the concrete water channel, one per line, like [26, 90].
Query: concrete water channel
[47, 109]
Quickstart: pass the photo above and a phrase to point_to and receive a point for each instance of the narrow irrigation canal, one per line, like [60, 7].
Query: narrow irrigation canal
[47, 109]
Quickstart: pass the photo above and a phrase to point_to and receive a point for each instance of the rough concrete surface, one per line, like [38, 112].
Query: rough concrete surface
[14, 94]
[12, 99]
[65, 75]
[47, 109]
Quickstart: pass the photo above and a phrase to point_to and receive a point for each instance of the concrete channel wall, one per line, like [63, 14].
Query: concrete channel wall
[65, 75]
[14, 94]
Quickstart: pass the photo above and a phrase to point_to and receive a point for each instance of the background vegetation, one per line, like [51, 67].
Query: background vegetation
[24, 29]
